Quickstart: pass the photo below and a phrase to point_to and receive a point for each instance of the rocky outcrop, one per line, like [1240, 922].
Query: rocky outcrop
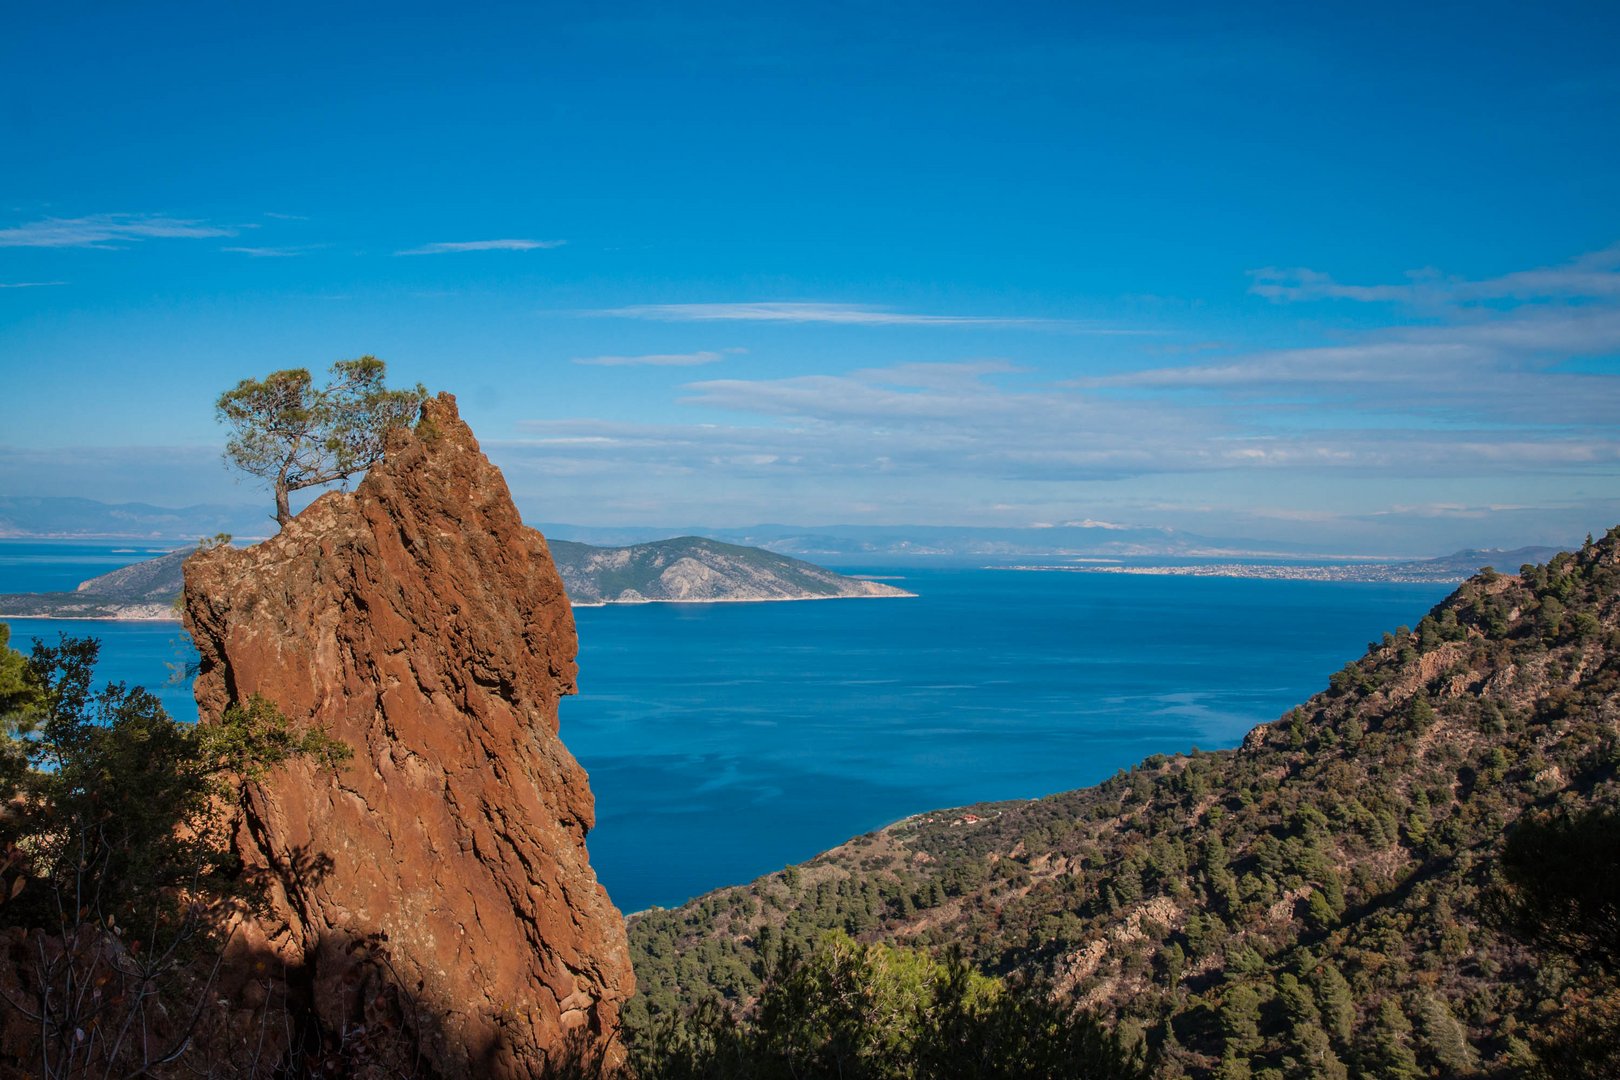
[437, 886]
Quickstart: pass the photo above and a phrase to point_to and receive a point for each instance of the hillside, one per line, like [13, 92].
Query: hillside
[1308, 903]
[692, 568]
[143, 590]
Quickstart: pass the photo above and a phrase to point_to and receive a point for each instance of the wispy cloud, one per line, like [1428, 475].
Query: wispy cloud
[819, 429]
[272, 252]
[1499, 367]
[841, 314]
[169, 475]
[456, 246]
[29, 284]
[691, 359]
[1595, 275]
[106, 231]
[1466, 396]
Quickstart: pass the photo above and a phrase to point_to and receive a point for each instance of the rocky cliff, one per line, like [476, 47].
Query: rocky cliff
[437, 887]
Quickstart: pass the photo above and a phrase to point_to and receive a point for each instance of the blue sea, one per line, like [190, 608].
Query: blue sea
[724, 741]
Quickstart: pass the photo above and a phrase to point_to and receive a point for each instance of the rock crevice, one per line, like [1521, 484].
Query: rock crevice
[419, 621]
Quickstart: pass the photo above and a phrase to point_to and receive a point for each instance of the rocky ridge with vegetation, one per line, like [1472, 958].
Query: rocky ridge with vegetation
[1315, 902]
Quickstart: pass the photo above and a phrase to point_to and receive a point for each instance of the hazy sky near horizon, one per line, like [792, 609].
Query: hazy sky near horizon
[1347, 274]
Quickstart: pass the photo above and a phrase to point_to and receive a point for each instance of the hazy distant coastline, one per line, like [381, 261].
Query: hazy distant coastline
[1446, 570]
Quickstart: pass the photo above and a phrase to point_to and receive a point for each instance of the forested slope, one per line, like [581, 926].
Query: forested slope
[1311, 903]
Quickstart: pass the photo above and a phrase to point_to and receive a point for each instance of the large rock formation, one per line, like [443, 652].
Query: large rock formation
[437, 886]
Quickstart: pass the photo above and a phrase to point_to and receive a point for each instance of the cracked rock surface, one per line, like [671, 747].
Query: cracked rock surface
[436, 887]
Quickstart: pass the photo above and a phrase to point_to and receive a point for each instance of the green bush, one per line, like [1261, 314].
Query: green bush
[877, 1012]
[113, 846]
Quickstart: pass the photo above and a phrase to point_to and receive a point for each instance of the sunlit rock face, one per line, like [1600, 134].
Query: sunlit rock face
[436, 888]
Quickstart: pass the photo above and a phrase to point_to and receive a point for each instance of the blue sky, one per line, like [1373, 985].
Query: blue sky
[1347, 275]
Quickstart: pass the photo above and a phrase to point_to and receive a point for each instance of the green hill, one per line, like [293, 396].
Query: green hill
[1309, 904]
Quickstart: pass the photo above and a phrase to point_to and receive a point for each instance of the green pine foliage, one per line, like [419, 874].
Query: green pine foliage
[1559, 892]
[112, 807]
[114, 861]
[875, 1012]
[1311, 904]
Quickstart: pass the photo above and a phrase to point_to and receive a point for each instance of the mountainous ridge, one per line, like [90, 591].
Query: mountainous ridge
[833, 543]
[1309, 902]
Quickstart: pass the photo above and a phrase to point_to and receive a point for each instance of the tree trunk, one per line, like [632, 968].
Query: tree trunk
[283, 509]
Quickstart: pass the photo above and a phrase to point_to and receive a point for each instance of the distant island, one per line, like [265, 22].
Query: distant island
[692, 569]
[687, 569]
[143, 591]
[1447, 569]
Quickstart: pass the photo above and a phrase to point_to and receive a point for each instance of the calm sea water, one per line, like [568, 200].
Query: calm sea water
[726, 740]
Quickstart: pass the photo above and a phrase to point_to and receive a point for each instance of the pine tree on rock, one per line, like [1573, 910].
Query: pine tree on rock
[287, 431]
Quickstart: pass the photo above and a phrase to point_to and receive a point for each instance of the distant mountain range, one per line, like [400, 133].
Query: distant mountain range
[834, 545]
[1447, 569]
[70, 518]
[970, 544]
[61, 518]
[688, 569]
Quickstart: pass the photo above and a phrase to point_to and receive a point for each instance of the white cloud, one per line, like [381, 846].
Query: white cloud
[168, 475]
[1479, 392]
[457, 246]
[29, 284]
[267, 252]
[1488, 402]
[692, 359]
[1595, 275]
[1489, 367]
[839, 314]
[106, 231]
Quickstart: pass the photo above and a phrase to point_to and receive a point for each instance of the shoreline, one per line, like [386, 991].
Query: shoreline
[1367, 574]
[571, 603]
[736, 600]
